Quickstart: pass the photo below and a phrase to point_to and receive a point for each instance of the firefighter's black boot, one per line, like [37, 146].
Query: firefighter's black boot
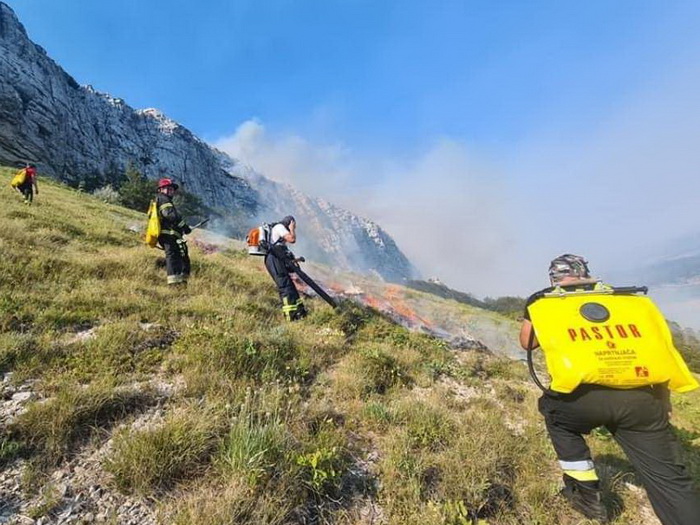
[300, 312]
[586, 497]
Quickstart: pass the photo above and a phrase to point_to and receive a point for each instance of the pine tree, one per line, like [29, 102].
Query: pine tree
[137, 191]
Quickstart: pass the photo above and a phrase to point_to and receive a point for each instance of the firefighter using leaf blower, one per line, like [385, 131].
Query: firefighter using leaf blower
[278, 261]
[172, 229]
[270, 241]
[611, 359]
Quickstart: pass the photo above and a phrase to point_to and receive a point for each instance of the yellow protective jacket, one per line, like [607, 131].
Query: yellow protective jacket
[602, 337]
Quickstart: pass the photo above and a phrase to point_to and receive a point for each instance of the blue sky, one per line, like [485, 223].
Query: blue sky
[531, 128]
[389, 73]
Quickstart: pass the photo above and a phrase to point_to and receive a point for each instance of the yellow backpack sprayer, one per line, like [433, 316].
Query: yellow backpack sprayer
[605, 336]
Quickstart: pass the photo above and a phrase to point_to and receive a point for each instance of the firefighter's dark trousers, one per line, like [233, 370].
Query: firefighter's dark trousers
[27, 190]
[638, 420]
[177, 258]
[292, 305]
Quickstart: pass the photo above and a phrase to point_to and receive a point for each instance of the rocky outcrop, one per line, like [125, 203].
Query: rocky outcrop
[79, 490]
[75, 133]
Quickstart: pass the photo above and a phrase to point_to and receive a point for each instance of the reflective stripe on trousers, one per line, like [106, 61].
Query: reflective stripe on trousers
[579, 470]
[290, 309]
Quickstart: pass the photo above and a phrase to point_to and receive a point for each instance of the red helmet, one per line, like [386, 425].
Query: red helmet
[165, 182]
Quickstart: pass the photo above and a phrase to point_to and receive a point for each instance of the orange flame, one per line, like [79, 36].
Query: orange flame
[392, 303]
[395, 297]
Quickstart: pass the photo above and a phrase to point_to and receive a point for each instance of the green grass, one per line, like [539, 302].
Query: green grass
[149, 461]
[275, 423]
[53, 428]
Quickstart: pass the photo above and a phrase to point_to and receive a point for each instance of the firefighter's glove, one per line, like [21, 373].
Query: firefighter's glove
[186, 229]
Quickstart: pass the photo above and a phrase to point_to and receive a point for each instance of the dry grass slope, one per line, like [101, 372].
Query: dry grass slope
[344, 418]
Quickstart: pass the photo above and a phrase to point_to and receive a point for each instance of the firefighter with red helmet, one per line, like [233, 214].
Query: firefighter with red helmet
[173, 227]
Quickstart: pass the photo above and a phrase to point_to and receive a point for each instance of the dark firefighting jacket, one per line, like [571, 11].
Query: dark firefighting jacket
[171, 222]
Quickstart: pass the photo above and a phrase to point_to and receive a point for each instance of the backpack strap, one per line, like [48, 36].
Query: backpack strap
[271, 226]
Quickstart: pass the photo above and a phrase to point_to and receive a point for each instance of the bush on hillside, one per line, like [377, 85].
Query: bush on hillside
[107, 194]
[190, 205]
[137, 191]
[509, 306]
[688, 345]
[86, 183]
[445, 292]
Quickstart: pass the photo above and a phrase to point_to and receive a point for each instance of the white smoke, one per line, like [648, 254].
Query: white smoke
[316, 169]
[446, 210]
[449, 212]
[490, 226]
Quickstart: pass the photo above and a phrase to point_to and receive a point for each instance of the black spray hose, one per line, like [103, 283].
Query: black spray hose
[530, 364]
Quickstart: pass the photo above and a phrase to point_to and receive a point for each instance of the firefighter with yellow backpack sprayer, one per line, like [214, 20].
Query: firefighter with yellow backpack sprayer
[167, 228]
[611, 359]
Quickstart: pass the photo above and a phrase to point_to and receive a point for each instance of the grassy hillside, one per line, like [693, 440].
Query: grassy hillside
[125, 401]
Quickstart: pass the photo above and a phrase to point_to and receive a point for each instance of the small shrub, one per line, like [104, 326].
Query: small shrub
[320, 468]
[487, 367]
[380, 371]
[456, 513]
[428, 427]
[15, 349]
[50, 499]
[9, 450]
[107, 194]
[349, 317]
[322, 457]
[438, 368]
[377, 328]
[15, 314]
